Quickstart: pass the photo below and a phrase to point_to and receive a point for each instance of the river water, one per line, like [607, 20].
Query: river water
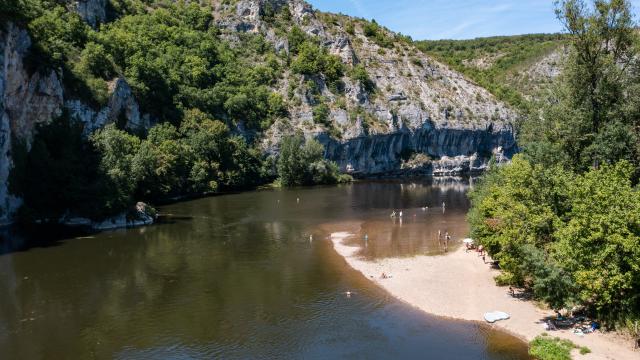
[239, 276]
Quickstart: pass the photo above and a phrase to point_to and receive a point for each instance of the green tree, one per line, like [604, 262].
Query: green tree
[117, 150]
[592, 115]
[600, 244]
[94, 60]
[302, 163]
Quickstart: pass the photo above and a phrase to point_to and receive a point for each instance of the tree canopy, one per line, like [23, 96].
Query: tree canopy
[563, 219]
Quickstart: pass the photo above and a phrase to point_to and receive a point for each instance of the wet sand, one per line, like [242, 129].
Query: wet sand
[459, 285]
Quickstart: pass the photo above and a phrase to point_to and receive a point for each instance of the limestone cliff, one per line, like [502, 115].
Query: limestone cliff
[28, 99]
[25, 100]
[418, 106]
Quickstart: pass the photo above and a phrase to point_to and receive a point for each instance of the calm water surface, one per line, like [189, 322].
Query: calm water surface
[237, 277]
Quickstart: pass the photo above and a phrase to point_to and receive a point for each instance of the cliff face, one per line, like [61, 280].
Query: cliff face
[25, 100]
[28, 99]
[449, 150]
[418, 106]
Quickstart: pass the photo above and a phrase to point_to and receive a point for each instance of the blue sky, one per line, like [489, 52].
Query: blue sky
[453, 19]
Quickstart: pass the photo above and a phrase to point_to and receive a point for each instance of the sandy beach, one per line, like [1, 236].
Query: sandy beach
[459, 285]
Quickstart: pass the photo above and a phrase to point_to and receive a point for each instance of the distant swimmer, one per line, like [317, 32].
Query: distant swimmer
[400, 213]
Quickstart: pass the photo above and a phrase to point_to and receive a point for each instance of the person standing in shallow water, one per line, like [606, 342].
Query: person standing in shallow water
[447, 237]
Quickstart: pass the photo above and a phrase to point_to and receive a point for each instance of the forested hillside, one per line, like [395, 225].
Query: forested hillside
[514, 68]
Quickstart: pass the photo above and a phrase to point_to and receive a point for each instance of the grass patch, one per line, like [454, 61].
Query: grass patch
[545, 347]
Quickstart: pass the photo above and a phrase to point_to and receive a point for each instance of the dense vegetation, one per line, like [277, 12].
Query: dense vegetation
[302, 163]
[209, 97]
[496, 62]
[563, 219]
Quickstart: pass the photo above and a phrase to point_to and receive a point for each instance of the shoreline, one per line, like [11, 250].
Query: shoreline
[459, 286]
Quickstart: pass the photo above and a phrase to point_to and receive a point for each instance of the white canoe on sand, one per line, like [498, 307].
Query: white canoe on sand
[492, 317]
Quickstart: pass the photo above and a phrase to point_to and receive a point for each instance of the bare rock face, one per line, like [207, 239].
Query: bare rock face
[455, 149]
[93, 12]
[25, 100]
[122, 105]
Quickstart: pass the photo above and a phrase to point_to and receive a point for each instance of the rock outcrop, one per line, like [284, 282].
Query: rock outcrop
[141, 215]
[454, 149]
[31, 98]
[121, 105]
[26, 99]
[92, 11]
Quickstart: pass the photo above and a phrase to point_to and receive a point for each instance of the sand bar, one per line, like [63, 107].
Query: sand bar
[459, 285]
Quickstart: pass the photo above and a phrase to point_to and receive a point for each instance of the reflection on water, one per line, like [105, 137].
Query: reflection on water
[232, 277]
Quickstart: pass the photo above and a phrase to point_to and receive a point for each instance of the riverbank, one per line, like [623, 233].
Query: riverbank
[460, 286]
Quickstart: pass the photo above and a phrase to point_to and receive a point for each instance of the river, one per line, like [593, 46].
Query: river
[239, 276]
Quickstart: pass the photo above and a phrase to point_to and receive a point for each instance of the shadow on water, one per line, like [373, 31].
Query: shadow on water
[18, 238]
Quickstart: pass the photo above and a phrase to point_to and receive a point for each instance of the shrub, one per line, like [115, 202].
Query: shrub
[360, 74]
[321, 114]
[545, 347]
